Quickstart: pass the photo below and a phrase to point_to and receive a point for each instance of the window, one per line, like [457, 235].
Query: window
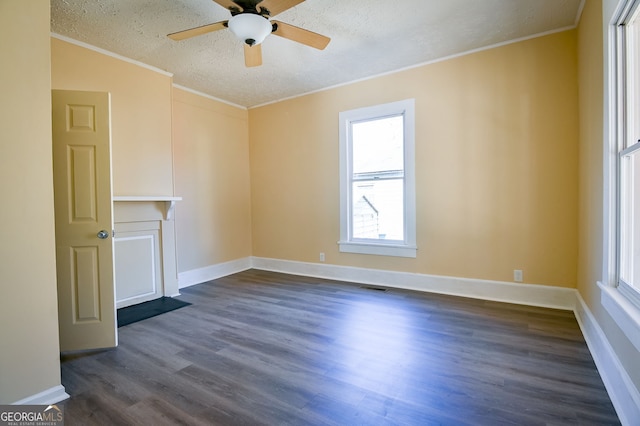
[628, 148]
[620, 286]
[377, 180]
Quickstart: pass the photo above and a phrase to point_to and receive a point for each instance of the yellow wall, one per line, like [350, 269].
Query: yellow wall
[496, 166]
[590, 263]
[213, 220]
[29, 351]
[591, 81]
[210, 153]
[140, 114]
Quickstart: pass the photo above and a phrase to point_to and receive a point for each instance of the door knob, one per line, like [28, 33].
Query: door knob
[103, 235]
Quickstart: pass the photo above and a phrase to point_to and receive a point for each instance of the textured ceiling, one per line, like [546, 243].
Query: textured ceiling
[368, 37]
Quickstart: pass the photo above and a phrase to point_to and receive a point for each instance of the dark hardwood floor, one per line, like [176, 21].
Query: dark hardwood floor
[261, 348]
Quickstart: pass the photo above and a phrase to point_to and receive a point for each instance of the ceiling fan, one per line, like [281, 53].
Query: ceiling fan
[251, 22]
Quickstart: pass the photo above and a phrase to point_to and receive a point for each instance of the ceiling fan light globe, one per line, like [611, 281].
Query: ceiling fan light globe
[249, 26]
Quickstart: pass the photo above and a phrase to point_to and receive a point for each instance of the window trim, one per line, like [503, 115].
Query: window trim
[408, 247]
[625, 129]
[624, 310]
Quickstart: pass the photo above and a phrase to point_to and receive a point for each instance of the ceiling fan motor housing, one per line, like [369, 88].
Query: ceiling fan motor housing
[252, 28]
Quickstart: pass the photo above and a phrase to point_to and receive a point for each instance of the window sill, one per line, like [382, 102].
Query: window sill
[625, 313]
[378, 249]
[630, 293]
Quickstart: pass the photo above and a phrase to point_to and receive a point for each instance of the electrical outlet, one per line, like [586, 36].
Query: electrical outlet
[517, 275]
[321, 257]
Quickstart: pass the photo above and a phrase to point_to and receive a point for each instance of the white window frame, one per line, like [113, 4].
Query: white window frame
[625, 244]
[628, 142]
[627, 132]
[406, 248]
[620, 301]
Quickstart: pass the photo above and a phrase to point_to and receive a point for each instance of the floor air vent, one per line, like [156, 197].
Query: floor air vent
[374, 288]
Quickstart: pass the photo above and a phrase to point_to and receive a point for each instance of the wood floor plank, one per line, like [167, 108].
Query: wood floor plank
[260, 347]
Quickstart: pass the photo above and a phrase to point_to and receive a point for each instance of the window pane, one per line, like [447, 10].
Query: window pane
[378, 145]
[630, 219]
[378, 209]
[632, 83]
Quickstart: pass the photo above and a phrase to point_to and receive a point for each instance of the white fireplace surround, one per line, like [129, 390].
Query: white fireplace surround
[144, 248]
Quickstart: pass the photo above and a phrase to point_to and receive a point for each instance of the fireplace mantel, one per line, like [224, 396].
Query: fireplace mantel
[170, 202]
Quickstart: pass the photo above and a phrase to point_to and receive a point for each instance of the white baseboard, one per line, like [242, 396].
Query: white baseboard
[523, 294]
[624, 395]
[50, 396]
[201, 275]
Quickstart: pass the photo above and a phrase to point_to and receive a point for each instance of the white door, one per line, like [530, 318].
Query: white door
[84, 220]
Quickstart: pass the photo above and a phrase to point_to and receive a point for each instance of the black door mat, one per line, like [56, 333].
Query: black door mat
[149, 309]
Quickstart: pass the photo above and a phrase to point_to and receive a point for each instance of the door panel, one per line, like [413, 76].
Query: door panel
[83, 205]
[85, 284]
[82, 193]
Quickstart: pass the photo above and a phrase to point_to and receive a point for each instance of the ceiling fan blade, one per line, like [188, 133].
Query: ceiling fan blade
[181, 35]
[278, 6]
[226, 3]
[253, 55]
[301, 35]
